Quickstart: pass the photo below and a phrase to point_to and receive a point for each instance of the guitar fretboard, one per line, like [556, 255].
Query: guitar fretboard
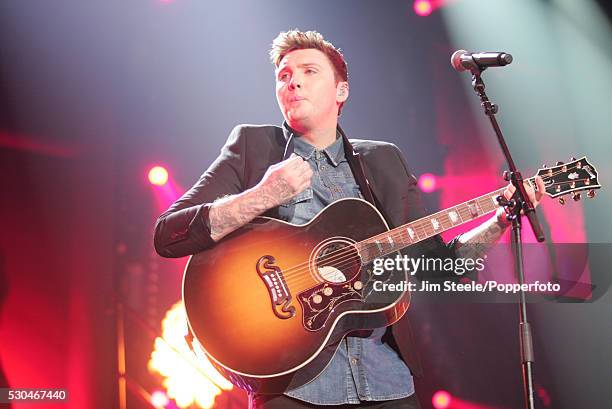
[428, 226]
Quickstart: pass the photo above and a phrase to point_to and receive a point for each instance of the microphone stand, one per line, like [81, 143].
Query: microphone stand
[513, 208]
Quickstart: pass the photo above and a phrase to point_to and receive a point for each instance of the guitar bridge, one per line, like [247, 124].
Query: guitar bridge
[274, 281]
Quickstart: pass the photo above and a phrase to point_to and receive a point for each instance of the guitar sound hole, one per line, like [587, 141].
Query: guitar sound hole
[337, 261]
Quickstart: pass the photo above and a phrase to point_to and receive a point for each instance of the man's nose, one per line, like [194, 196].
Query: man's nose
[296, 82]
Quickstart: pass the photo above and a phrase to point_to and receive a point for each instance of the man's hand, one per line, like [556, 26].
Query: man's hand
[534, 197]
[284, 180]
[280, 183]
[476, 242]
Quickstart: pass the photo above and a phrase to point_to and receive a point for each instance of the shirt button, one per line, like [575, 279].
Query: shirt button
[354, 361]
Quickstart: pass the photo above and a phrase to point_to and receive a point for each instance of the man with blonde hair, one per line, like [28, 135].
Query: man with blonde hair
[291, 173]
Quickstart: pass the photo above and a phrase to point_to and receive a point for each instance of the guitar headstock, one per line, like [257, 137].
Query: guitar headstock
[572, 177]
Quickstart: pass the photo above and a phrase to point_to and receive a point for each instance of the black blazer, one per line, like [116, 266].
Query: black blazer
[379, 169]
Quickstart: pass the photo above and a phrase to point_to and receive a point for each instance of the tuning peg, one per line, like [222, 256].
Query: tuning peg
[561, 200]
[544, 166]
[506, 175]
[591, 193]
[572, 159]
[564, 168]
[576, 196]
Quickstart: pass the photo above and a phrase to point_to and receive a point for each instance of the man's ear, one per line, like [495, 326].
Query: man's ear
[342, 91]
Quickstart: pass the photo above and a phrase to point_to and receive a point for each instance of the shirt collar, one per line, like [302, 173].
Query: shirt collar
[335, 151]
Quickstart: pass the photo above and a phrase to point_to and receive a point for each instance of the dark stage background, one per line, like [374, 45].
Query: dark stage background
[93, 93]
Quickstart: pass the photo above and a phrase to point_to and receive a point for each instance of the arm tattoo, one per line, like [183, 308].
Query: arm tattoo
[232, 212]
[476, 242]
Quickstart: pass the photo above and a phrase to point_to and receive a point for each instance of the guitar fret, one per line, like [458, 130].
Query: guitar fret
[482, 205]
[443, 221]
[425, 233]
[485, 203]
[421, 226]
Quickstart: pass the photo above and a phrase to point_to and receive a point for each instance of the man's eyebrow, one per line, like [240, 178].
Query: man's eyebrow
[307, 64]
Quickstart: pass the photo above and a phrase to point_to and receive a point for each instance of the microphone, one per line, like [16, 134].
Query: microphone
[461, 60]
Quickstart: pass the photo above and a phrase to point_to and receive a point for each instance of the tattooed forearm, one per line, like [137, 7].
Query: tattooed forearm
[232, 212]
[280, 183]
[476, 242]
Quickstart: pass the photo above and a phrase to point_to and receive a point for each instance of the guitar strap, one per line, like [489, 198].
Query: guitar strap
[354, 160]
[356, 164]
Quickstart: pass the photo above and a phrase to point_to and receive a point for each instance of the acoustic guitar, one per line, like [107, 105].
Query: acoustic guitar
[270, 302]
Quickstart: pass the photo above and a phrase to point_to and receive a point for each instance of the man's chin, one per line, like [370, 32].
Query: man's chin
[296, 121]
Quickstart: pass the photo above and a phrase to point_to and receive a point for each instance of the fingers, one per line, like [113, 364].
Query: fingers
[293, 160]
[304, 174]
[295, 172]
[510, 189]
[541, 188]
[298, 168]
[298, 164]
[536, 196]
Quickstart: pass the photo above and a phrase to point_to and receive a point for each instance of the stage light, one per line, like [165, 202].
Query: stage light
[441, 400]
[159, 399]
[423, 8]
[190, 380]
[427, 182]
[158, 175]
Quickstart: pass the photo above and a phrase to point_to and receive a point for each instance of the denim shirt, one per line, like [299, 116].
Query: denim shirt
[362, 369]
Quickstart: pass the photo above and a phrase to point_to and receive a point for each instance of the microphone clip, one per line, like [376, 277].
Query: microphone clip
[479, 86]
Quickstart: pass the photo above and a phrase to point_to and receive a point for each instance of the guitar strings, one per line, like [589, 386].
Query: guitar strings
[347, 254]
[350, 251]
[296, 274]
[339, 257]
[420, 225]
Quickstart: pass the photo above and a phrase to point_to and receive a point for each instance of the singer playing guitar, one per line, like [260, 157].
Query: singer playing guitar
[291, 173]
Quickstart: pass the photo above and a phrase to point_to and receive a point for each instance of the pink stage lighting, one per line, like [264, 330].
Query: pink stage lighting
[158, 176]
[427, 182]
[423, 8]
[441, 400]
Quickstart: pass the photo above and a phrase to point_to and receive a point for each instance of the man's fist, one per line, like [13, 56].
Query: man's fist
[284, 180]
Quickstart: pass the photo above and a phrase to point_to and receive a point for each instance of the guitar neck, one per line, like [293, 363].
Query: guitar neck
[428, 226]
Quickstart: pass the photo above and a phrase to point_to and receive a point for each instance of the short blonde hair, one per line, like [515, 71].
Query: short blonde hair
[291, 40]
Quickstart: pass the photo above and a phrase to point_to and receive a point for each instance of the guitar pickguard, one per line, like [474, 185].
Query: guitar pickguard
[323, 301]
[319, 303]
